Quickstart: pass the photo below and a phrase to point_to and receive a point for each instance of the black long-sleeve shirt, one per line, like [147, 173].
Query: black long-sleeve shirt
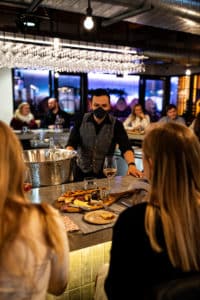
[134, 266]
[50, 119]
[120, 136]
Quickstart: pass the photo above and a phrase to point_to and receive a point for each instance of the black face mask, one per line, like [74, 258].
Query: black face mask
[100, 113]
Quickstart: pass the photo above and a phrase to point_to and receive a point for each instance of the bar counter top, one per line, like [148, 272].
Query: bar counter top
[101, 233]
[36, 138]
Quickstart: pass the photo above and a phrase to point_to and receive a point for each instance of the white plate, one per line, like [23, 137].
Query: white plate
[100, 217]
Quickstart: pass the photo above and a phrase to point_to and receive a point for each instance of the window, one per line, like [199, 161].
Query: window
[123, 90]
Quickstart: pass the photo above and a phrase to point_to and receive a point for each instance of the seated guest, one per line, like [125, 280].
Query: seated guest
[172, 115]
[152, 110]
[34, 252]
[121, 109]
[23, 118]
[157, 241]
[55, 117]
[137, 120]
[195, 126]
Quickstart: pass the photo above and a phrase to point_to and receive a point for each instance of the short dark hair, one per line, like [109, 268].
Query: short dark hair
[100, 92]
[170, 106]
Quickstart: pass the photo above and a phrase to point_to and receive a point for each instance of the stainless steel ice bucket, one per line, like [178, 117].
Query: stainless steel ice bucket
[49, 166]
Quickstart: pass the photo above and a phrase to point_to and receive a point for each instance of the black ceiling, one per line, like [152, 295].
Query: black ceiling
[148, 26]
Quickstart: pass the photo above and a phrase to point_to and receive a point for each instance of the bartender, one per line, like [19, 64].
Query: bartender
[96, 135]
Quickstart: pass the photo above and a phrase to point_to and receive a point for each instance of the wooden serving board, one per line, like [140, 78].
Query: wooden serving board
[79, 206]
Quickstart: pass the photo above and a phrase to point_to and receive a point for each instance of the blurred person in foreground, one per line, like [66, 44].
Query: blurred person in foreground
[172, 115]
[55, 117]
[34, 252]
[195, 126]
[137, 120]
[23, 118]
[158, 241]
[96, 135]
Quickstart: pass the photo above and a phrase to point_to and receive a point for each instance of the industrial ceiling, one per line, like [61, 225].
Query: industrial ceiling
[167, 31]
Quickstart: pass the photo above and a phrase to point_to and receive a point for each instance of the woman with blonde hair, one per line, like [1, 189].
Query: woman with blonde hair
[34, 252]
[137, 120]
[23, 118]
[159, 241]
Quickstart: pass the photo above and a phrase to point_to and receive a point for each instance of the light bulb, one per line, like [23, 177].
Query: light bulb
[29, 24]
[88, 23]
[188, 72]
[56, 43]
[56, 74]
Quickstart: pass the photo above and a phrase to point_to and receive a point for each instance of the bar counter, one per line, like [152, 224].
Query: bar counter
[135, 139]
[36, 138]
[88, 252]
[39, 138]
[79, 239]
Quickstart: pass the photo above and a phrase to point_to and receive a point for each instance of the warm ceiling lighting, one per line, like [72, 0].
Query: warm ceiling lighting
[88, 23]
[188, 72]
[27, 21]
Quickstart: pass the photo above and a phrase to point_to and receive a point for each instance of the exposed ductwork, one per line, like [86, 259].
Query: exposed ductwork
[179, 8]
[139, 9]
[186, 9]
[189, 57]
[158, 28]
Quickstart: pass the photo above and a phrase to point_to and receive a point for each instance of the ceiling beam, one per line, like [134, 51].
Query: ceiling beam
[127, 14]
[33, 6]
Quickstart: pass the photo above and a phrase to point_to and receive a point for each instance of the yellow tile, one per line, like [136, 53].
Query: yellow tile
[50, 297]
[75, 294]
[87, 292]
[86, 265]
[107, 247]
[75, 270]
[98, 259]
[64, 296]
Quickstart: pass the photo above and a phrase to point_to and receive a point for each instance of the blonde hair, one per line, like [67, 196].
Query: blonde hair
[174, 153]
[14, 206]
[21, 105]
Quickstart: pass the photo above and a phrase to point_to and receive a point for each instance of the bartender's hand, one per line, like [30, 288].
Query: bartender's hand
[132, 170]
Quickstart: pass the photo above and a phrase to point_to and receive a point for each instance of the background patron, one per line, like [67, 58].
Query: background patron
[172, 115]
[137, 120]
[55, 117]
[23, 118]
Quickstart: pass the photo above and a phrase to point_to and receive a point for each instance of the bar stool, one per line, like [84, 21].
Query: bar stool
[185, 288]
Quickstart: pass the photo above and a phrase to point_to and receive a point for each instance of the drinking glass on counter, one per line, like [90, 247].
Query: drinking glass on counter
[27, 180]
[110, 169]
[90, 183]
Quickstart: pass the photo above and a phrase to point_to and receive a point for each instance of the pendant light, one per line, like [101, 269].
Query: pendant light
[88, 23]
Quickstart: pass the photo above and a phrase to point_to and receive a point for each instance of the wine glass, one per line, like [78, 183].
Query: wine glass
[110, 168]
[27, 180]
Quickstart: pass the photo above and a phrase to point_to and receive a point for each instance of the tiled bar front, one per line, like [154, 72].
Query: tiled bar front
[84, 265]
[88, 252]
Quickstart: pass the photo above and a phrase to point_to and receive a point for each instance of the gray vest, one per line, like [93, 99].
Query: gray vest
[94, 147]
